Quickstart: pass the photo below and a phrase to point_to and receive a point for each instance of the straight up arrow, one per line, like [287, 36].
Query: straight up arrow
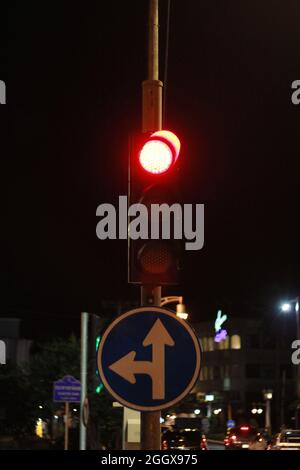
[158, 337]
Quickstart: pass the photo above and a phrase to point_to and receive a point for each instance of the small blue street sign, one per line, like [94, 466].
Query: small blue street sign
[149, 359]
[230, 424]
[67, 389]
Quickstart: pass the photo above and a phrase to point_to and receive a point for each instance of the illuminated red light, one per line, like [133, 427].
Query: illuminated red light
[160, 152]
[233, 437]
[156, 157]
[244, 428]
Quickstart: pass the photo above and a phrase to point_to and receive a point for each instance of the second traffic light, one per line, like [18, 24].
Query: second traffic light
[154, 256]
[96, 327]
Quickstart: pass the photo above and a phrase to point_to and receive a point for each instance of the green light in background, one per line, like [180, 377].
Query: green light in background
[99, 388]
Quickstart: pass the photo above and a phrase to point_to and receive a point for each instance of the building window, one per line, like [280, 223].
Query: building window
[224, 344]
[210, 344]
[235, 342]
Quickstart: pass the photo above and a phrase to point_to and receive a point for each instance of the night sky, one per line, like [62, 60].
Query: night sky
[73, 75]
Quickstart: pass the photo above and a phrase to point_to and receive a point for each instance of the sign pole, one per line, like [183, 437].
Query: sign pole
[66, 425]
[83, 377]
[152, 121]
[150, 421]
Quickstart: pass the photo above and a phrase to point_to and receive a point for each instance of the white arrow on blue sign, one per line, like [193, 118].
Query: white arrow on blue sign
[67, 389]
[149, 359]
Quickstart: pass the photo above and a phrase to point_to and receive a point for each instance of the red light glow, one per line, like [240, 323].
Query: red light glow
[160, 152]
[244, 428]
[156, 157]
[171, 139]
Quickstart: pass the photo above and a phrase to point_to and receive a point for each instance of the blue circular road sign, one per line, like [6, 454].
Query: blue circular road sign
[149, 359]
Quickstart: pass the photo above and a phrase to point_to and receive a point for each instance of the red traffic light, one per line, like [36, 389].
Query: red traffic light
[160, 152]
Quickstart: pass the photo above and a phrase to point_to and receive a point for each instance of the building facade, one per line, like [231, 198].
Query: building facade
[14, 349]
[253, 356]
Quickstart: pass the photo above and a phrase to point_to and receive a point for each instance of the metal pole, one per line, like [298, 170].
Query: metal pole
[150, 421]
[283, 384]
[153, 41]
[268, 416]
[152, 87]
[83, 376]
[152, 121]
[297, 412]
[66, 425]
[124, 429]
[229, 411]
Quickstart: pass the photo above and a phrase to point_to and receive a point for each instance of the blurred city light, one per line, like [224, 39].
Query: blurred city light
[39, 428]
[286, 307]
[209, 397]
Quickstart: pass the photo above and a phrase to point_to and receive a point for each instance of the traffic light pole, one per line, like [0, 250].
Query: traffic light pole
[297, 417]
[150, 421]
[152, 87]
[152, 121]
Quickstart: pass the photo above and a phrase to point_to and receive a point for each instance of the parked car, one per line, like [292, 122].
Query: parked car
[185, 439]
[241, 437]
[289, 439]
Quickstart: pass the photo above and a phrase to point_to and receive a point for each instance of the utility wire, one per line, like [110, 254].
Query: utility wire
[166, 62]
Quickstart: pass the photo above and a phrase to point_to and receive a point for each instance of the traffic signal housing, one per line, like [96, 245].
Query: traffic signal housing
[153, 180]
[97, 326]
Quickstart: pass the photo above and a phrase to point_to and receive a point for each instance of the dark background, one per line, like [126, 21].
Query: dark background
[73, 75]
